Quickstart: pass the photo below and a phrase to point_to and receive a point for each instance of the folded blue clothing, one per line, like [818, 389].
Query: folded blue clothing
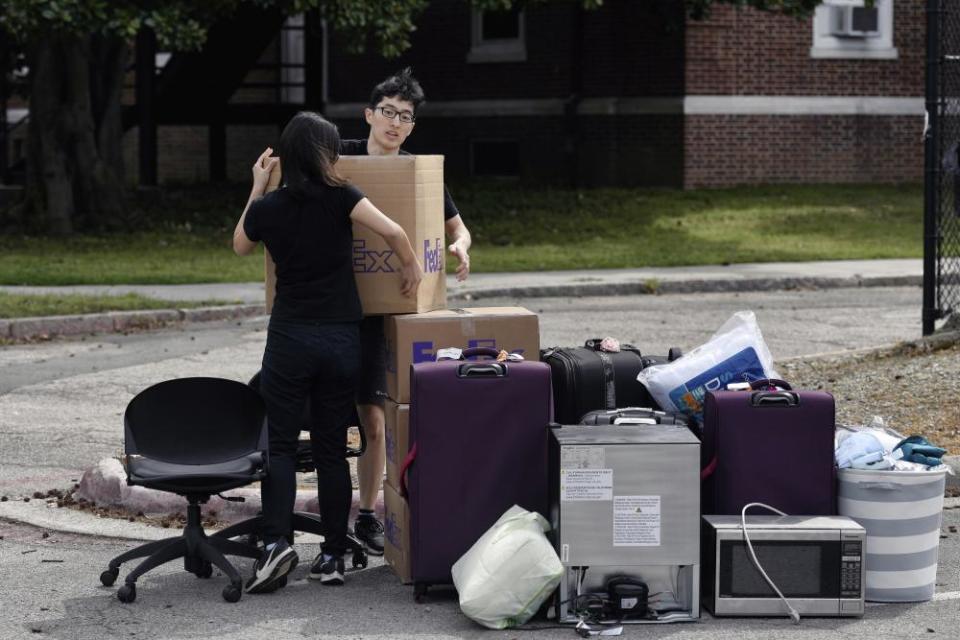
[918, 449]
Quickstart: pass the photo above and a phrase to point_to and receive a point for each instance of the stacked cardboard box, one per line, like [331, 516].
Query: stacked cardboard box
[410, 190]
[416, 338]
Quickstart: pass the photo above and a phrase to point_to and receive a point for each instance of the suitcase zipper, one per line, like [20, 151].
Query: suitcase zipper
[608, 391]
[570, 373]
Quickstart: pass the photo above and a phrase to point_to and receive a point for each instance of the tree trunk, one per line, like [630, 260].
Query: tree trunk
[110, 56]
[74, 174]
[49, 192]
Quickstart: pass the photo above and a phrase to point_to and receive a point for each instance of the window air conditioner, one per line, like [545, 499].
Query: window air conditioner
[855, 22]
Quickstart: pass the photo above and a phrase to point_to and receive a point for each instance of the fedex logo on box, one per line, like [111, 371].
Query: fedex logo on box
[370, 261]
[426, 350]
[393, 530]
[432, 256]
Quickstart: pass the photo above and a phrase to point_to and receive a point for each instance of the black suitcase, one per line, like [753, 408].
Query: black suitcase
[641, 416]
[586, 379]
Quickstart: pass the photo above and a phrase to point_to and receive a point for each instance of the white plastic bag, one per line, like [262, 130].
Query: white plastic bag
[509, 572]
[735, 353]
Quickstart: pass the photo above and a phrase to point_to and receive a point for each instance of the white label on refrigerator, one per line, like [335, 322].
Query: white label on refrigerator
[586, 484]
[582, 458]
[636, 521]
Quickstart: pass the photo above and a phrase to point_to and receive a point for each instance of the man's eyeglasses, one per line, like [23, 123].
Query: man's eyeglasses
[390, 113]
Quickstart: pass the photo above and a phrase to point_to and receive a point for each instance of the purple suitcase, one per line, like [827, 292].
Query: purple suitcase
[478, 446]
[769, 445]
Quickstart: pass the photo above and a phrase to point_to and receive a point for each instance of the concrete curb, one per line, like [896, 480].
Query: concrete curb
[105, 484]
[18, 329]
[38, 514]
[654, 286]
[22, 329]
[938, 340]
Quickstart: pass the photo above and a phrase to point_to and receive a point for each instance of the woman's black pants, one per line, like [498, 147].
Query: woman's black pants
[320, 362]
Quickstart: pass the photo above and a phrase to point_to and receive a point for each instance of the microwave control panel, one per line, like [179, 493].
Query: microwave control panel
[851, 569]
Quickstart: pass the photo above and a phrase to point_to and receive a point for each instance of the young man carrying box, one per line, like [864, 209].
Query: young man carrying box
[391, 116]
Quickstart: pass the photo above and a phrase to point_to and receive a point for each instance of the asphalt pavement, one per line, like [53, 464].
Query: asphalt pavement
[60, 412]
[246, 299]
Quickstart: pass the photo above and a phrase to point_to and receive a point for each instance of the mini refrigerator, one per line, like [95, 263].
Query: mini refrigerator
[625, 508]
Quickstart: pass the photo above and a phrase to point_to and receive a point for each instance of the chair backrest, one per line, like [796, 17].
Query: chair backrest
[195, 421]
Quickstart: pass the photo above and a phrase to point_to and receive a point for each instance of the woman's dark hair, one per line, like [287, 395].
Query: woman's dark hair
[309, 147]
[403, 85]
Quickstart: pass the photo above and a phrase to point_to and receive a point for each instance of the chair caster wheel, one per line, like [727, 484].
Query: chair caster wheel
[127, 593]
[359, 560]
[205, 571]
[108, 577]
[231, 593]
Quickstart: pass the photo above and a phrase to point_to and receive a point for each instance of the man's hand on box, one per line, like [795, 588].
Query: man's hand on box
[459, 250]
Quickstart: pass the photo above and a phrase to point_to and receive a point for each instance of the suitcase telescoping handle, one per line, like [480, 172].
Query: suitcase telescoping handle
[480, 351]
[634, 420]
[769, 384]
[773, 392]
[481, 369]
[634, 415]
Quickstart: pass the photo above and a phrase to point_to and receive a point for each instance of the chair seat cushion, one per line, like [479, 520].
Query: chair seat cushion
[214, 477]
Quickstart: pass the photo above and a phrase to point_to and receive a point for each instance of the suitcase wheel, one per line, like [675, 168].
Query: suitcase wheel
[419, 591]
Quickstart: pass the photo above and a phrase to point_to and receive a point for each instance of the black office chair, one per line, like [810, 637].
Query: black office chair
[195, 437]
[302, 520]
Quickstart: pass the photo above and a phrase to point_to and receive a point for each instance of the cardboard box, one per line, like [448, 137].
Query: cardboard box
[416, 338]
[408, 189]
[396, 525]
[396, 438]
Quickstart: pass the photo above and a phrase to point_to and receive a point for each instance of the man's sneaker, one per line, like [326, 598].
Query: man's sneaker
[272, 568]
[329, 571]
[369, 531]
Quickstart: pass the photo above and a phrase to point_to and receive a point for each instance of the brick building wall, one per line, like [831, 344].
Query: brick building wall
[744, 52]
[724, 150]
[750, 52]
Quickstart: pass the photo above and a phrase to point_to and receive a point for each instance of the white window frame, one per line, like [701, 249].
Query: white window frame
[293, 51]
[498, 49]
[827, 45]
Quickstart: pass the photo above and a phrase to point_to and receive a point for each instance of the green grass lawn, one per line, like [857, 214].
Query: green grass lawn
[20, 306]
[186, 233]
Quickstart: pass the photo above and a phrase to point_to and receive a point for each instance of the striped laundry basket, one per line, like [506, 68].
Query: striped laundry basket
[901, 511]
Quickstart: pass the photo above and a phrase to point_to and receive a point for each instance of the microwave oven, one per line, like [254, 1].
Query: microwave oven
[817, 562]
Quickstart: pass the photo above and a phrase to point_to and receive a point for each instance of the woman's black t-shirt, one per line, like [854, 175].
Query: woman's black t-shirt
[311, 241]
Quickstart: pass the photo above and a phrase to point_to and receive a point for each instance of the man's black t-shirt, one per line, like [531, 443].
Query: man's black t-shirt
[311, 241]
[359, 148]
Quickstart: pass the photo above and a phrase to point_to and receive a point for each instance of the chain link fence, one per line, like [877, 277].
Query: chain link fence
[942, 201]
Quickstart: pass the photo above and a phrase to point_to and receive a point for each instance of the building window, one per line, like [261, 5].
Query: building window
[849, 29]
[292, 61]
[497, 158]
[497, 36]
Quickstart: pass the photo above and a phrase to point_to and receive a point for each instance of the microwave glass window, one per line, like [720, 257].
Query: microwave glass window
[799, 569]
